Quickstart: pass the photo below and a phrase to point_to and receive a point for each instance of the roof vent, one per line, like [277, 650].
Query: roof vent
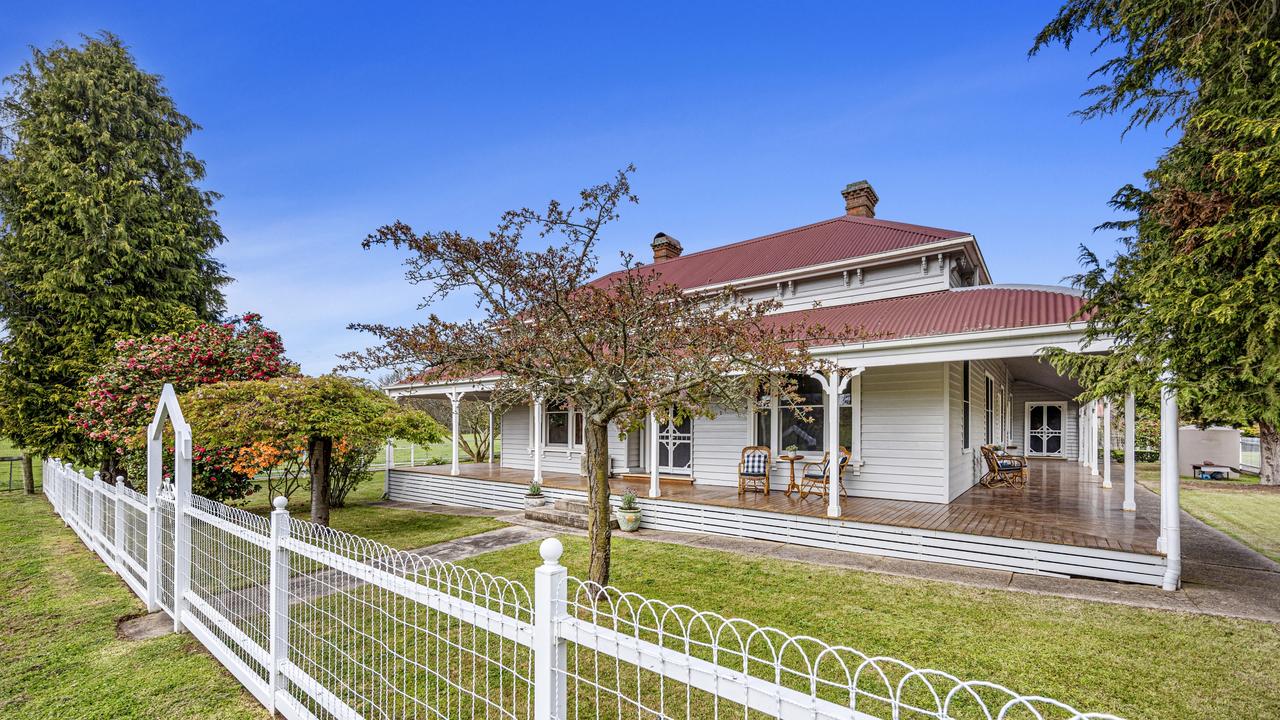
[860, 199]
[665, 248]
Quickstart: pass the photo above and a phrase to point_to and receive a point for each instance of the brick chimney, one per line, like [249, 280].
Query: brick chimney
[860, 199]
[665, 248]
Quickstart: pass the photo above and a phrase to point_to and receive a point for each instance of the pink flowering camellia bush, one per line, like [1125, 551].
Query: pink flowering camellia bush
[119, 401]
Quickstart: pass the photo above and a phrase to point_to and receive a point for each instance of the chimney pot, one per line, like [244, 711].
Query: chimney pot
[665, 248]
[860, 199]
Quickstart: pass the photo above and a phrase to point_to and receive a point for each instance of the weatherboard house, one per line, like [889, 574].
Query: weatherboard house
[953, 365]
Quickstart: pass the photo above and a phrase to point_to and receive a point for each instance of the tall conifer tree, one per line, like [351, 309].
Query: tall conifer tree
[1196, 288]
[104, 230]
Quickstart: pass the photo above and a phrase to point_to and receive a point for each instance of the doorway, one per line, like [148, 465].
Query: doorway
[1046, 429]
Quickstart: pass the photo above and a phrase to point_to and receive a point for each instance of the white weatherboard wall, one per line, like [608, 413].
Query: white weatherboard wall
[903, 430]
[903, 434]
[516, 446]
[1024, 392]
[717, 447]
[964, 466]
[885, 281]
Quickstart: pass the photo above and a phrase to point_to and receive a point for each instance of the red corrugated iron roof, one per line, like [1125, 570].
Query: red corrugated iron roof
[823, 242]
[946, 312]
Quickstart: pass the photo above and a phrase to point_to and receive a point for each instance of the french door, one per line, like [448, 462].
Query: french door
[675, 447]
[1046, 429]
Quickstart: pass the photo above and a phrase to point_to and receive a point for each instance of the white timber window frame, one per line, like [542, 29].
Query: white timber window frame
[574, 424]
[766, 421]
[775, 409]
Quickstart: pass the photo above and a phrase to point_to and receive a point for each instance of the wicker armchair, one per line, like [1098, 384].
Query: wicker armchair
[1003, 468]
[813, 479]
[753, 469]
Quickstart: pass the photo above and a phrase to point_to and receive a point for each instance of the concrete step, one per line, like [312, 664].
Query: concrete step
[553, 516]
[572, 506]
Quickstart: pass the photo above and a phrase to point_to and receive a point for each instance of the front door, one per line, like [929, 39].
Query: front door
[675, 447]
[1045, 429]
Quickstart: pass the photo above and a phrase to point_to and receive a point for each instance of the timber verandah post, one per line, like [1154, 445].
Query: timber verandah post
[455, 400]
[655, 481]
[833, 383]
[1129, 442]
[1170, 542]
[550, 652]
[1106, 443]
[537, 439]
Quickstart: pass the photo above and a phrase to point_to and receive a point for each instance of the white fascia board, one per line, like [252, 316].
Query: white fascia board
[986, 345]
[849, 264]
[441, 388]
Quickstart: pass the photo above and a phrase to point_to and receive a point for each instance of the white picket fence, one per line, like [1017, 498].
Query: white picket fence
[318, 623]
[1251, 453]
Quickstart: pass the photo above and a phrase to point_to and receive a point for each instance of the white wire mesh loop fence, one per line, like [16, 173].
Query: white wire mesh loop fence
[319, 623]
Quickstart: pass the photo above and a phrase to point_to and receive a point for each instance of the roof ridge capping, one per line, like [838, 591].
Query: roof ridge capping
[925, 230]
[1058, 289]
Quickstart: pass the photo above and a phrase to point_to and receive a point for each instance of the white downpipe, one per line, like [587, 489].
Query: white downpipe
[491, 438]
[1129, 441]
[1170, 507]
[655, 486]
[1106, 443]
[537, 440]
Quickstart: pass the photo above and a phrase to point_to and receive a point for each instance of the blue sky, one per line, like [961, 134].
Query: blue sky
[322, 122]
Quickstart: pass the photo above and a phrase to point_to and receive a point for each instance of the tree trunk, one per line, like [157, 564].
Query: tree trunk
[28, 477]
[1269, 465]
[599, 512]
[319, 453]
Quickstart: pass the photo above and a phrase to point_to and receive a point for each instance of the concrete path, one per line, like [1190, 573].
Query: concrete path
[254, 600]
[462, 548]
[1220, 575]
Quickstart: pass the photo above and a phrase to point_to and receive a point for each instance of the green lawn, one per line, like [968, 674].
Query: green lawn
[403, 529]
[58, 606]
[434, 454]
[1100, 657]
[8, 450]
[59, 656]
[1240, 508]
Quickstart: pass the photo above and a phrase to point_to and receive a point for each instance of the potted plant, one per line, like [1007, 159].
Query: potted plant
[791, 450]
[534, 498]
[629, 513]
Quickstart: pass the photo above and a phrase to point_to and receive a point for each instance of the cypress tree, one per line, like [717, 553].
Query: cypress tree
[104, 230]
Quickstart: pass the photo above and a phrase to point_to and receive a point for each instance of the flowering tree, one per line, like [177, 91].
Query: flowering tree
[119, 401]
[270, 420]
[618, 347]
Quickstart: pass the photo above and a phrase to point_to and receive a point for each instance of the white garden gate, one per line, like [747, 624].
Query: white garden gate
[318, 623]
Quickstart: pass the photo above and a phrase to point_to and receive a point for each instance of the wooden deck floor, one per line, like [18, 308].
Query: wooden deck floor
[1061, 504]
